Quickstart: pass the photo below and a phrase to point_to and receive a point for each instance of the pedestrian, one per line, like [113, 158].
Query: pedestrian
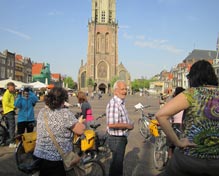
[9, 112]
[99, 94]
[118, 126]
[197, 152]
[85, 106]
[161, 100]
[92, 95]
[176, 123]
[25, 102]
[62, 124]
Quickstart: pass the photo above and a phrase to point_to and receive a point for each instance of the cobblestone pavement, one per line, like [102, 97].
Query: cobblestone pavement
[138, 158]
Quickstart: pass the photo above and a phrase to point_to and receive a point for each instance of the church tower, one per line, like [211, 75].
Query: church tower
[102, 53]
[217, 47]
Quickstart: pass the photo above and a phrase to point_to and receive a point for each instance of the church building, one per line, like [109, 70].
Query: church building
[102, 54]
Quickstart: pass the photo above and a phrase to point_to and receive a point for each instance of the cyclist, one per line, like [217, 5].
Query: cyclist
[62, 123]
[197, 152]
[25, 102]
[176, 123]
[9, 112]
[86, 110]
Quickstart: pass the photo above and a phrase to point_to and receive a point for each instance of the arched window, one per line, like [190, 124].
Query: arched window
[98, 42]
[107, 43]
[102, 70]
[83, 79]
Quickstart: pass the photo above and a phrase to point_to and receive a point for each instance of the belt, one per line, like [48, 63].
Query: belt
[117, 136]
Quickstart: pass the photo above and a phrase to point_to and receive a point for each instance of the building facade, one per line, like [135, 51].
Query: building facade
[23, 69]
[7, 65]
[102, 53]
[41, 72]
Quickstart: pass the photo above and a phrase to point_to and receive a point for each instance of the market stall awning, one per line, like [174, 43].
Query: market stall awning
[19, 84]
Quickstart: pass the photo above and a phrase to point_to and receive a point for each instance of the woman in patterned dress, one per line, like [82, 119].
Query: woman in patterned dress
[197, 152]
[62, 123]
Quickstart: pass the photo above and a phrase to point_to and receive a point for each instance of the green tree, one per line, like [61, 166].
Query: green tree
[90, 82]
[113, 80]
[70, 82]
[140, 84]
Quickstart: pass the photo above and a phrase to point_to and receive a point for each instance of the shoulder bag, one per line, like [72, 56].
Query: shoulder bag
[70, 159]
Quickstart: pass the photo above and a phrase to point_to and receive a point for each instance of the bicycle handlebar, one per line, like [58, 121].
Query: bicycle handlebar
[95, 126]
[139, 106]
[101, 116]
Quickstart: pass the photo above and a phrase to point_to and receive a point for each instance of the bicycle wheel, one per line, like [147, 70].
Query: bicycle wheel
[144, 128]
[2, 135]
[94, 168]
[160, 153]
[102, 146]
[26, 162]
[104, 151]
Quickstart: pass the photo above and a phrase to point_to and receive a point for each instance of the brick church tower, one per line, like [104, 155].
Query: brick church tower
[102, 53]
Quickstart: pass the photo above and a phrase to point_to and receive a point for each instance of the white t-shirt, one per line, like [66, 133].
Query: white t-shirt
[177, 118]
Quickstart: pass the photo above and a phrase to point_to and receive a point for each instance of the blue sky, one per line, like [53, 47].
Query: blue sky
[153, 34]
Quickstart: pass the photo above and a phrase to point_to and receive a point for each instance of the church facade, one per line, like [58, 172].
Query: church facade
[102, 54]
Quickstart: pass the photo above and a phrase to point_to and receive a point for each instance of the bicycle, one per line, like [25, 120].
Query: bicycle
[92, 145]
[29, 164]
[144, 121]
[149, 127]
[4, 135]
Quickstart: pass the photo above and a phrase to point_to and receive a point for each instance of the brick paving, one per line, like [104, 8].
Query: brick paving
[138, 158]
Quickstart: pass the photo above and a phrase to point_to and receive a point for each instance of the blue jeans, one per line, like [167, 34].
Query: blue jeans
[10, 123]
[117, 146]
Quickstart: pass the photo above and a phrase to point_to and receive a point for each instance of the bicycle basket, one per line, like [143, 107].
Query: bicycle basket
[29, 141]
[153, 128]
[88, 141]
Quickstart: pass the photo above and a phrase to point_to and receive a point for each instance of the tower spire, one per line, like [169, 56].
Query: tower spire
[217, 46]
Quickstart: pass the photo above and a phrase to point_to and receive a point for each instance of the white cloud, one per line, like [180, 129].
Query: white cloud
[22, 35]
[127, 36]
[124, 27]
[140, 37]
[139, 68]
[54, 13]
[158, 44]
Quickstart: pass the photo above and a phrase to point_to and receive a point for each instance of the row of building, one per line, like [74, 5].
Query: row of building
[23, 69]
[176, 77]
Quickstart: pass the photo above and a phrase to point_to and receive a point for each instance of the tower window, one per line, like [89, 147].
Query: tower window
[83, 79]
[107, 43]
[110, 16]
[103, 17]
[96, 15]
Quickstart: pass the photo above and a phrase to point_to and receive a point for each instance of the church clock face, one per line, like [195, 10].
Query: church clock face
[102, 70]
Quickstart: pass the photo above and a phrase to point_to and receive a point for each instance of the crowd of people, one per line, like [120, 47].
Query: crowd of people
[23, 100]
[193, 110]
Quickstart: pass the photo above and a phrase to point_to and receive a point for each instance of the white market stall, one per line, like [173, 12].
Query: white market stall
[19, 84]
[37, 85]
